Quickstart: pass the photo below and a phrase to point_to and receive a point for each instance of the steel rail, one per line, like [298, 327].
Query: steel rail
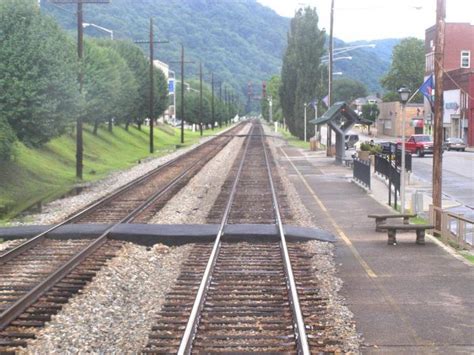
[300, 332]
[30, 243]
[193, 321]
[16, 309]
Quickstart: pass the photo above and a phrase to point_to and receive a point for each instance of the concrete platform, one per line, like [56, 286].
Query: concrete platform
[406, 299]
[169, 233]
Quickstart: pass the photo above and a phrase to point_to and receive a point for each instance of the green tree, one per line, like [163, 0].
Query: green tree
[7, 138]
[348, 90]
[408, 67]
[134, 106]
[38, 73]
[302, 70]
[273, 89]
[370, 112]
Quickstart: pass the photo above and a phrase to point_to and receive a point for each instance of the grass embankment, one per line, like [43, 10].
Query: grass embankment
[292, 140]
[44, 174]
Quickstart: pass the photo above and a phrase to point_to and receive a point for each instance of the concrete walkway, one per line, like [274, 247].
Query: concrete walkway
[408, 298]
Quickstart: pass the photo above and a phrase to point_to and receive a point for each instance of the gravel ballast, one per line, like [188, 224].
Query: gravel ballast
[115, 312]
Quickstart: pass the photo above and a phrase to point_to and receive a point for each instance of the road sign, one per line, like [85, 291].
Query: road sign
[171, 86]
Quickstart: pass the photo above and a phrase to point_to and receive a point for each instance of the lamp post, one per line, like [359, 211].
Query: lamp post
[305, 105]
[404, 95]
[110, 32]
[270, 110]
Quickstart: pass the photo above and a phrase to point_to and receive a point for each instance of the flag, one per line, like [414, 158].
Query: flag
[427, 89]
[314, 103]
[326, 100]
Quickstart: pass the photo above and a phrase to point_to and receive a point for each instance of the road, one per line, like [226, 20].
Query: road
[458, 177]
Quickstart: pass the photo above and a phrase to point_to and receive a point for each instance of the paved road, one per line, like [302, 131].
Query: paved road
[458, 177]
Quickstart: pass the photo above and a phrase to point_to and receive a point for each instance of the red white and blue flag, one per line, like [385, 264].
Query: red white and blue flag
[427, 89]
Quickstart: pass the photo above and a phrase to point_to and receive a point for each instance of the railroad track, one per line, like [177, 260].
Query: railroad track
[242, 296]
[40, 275]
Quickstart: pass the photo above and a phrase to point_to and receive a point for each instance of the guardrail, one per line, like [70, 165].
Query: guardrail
[452, 227]
[361, 172]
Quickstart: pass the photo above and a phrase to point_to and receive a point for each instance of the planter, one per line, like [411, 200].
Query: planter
[363, 154]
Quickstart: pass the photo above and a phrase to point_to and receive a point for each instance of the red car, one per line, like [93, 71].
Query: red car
[419, 144]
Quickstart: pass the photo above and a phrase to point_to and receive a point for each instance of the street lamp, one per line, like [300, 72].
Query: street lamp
[85, 25]
[404, 95]
[270, 104]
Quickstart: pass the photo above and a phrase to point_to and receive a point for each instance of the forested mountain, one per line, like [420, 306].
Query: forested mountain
[240, 41]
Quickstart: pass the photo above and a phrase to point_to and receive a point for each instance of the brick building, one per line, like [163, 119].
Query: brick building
[389, 122]
[458, 82]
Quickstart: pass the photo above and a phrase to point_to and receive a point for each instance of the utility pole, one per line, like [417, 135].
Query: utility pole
[182, 62]
[152, 89]
[212, 101]
[200, 98]
[80, 54]
[151, 101]
[182, 93]
[331, 44]
[438, 117]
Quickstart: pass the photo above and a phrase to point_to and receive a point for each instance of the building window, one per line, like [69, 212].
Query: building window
[465, 59]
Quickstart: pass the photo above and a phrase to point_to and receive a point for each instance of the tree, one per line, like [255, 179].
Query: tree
[370, 112]
[302, 70]
[273, 89]
[408, 67]
[135, 90]
[348, 90]
[38, 73]
[7, 138]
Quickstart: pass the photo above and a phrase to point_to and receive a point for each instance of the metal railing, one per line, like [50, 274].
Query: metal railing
[385, 167]
[361, 172]
[452, 227]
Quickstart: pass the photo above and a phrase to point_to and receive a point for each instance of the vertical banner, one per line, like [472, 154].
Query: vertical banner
[170, 86]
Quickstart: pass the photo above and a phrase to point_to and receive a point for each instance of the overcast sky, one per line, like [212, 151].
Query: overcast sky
[378, 19]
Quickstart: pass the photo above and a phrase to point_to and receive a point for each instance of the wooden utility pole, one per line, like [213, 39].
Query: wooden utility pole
[80, 54]
[331, 43]
[438, 117]
[151, 102]
[213, 118]
[200, 98]
[182, 93]
[152, 88]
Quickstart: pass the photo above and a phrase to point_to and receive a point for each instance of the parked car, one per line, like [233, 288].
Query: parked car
[351, 140]
[419, 144]
[385, 147]
[455, 144]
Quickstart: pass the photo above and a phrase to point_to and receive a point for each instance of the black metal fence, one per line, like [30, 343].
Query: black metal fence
[386, 167]
[361, 172]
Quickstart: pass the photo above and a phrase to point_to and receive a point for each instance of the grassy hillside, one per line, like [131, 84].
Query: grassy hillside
[48, 173]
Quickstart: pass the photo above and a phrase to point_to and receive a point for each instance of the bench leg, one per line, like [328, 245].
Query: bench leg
[378, 222]
[420, 236]
[406, 220]
[392, 237]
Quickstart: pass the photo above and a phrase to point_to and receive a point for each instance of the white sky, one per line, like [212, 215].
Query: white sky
[378, 19]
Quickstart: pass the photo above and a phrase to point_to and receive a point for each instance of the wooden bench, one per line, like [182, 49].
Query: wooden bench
[393, 228]
[382, 218]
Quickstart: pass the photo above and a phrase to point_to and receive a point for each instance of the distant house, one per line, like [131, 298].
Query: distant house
[458, 82]
[361, 101]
